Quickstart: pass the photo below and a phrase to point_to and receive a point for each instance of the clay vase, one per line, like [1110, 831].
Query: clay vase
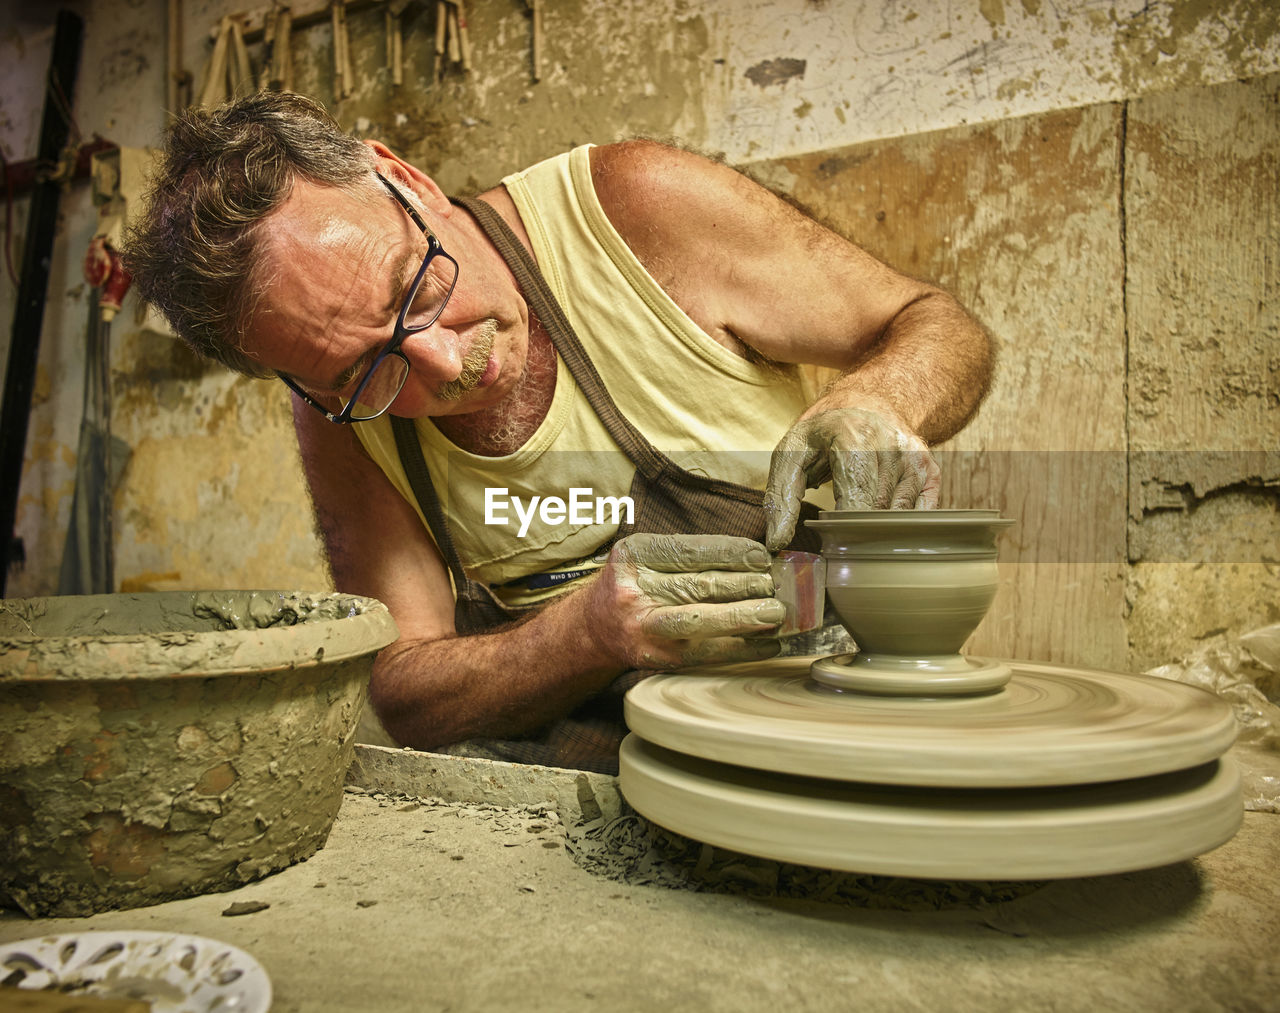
[910, 586]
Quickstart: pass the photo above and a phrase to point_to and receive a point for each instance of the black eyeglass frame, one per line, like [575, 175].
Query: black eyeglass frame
[392, 347]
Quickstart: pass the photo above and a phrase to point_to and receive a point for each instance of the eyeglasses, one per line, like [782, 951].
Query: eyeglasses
[425, 300]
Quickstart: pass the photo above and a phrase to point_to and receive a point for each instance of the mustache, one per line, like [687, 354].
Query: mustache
[474, 364]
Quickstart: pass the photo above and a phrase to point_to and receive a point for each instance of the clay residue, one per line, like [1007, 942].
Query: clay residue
[1167, 45]
[185, 612]
[776, 71]
[626, 848]
[993, 11]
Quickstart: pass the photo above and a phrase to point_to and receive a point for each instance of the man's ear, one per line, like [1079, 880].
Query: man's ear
[399, 171]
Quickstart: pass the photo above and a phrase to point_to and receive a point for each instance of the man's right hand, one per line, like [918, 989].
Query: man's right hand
[663, 601]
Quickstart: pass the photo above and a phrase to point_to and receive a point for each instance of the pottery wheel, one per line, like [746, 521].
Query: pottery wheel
[942, 833]
[1050, 725]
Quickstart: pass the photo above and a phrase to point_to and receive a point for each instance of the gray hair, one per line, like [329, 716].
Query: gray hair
[222, 172]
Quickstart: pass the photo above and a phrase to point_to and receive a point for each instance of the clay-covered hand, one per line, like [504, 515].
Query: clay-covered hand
[667, 600]
[872, 459]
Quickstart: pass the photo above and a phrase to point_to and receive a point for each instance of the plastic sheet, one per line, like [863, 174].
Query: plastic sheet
[1245, 672]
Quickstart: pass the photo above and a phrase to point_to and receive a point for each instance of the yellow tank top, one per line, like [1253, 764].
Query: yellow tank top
[709, 410]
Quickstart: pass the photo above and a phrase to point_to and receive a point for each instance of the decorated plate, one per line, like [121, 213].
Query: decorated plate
[174, 973]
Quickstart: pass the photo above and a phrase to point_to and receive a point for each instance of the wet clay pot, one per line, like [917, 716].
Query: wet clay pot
[156, 746]
[910, 586]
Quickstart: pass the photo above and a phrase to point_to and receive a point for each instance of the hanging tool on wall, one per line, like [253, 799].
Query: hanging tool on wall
[88, 555]
[395, 40]
[277, 57]
[535, 10]
[453, 39]
[105, 271]
[88, 559]
[228, 74]
[342, 75]
[179, 81]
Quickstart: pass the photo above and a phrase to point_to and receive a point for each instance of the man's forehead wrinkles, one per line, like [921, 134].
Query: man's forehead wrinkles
[358, 261]
[400, 280]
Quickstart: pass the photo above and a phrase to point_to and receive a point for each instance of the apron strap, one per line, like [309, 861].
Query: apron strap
[415, 469]
[652, 464]
[657, 469]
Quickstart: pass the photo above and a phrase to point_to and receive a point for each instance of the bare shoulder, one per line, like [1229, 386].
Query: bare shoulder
[695, 224]
[747, 266]
[651, 190]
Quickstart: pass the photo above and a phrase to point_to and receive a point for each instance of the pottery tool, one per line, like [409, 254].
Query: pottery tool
[799, 582]
[909, 758]
[442, 30]
[177, 81]
[228, 73]
[464, 34]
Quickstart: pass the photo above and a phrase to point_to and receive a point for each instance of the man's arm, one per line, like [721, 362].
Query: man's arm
[660, 601]
[756, 273]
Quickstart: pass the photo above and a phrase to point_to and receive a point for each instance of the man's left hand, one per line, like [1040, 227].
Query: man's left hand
[872, 459]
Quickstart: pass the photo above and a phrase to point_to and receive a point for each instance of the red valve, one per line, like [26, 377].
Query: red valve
[103, 269]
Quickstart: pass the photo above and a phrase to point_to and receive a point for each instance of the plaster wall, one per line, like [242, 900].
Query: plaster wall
[212, 494]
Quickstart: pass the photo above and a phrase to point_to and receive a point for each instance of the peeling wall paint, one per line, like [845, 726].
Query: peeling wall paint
[887, 68]
[1203, 202]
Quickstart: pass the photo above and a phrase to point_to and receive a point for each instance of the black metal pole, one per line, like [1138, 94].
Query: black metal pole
[28, 316]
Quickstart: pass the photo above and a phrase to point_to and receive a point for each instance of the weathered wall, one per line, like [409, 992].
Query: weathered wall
[1202, 231]
[1126, 259]
[1022, 218]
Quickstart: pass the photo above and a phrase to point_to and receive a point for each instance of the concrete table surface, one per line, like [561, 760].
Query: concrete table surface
[469, 905]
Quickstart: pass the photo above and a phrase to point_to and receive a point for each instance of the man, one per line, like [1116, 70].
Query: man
[613, 333]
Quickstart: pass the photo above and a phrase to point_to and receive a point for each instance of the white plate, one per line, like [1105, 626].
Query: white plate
[175, 973]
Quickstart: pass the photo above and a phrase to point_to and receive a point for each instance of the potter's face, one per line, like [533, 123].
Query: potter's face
[339, 264]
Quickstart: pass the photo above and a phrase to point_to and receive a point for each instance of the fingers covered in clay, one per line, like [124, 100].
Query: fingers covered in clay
[872, 460]
[688, 622]
[692, 553]
[668, 600]
[709, 585]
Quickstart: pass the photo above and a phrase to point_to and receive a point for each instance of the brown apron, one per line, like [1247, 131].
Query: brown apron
[667, 499]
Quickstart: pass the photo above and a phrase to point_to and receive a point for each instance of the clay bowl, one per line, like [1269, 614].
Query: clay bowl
[156, 746]
[910, 586]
